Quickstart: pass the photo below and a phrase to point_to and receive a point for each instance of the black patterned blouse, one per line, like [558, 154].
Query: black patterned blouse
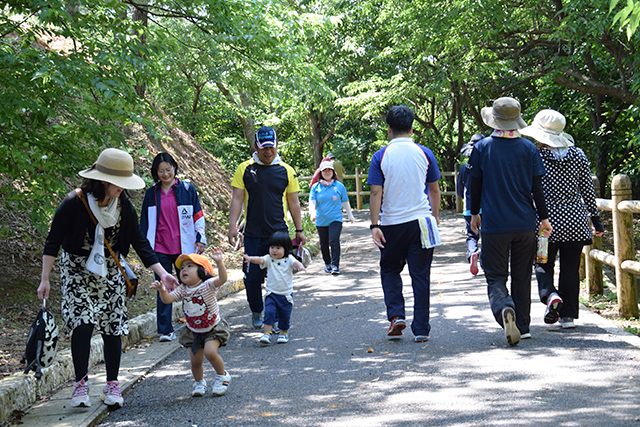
[570, 195]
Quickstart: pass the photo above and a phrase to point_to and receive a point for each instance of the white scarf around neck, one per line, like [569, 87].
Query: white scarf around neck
[107, 217]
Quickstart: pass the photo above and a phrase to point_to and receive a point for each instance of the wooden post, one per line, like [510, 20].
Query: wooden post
[459, 200]
[624, 247]
[358, 190]
[593, 269]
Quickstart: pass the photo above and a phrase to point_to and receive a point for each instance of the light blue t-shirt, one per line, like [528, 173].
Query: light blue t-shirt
[328, 202]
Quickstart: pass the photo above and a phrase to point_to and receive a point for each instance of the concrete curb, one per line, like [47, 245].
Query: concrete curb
[19, 391]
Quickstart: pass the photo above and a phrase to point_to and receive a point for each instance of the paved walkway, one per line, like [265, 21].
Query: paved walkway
[340, 370]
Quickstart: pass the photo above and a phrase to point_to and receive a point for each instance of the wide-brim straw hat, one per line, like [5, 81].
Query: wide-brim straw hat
[548, 128]
[505, 114]
[115, 167]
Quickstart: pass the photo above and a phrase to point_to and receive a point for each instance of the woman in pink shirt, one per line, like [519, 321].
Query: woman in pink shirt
[173, 222]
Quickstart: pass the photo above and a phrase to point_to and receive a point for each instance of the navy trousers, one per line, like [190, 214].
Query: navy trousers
[403, 246]
[163, 311]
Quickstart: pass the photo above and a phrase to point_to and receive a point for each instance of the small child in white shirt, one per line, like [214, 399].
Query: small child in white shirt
[278, 300]
[206, 331]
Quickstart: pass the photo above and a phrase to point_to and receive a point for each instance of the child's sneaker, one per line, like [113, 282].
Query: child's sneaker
[80, 396]
[283, 338]
[265, 339]
[221, 384]
[199, 388]
[111, 395]
[256, 320]
[327, 268]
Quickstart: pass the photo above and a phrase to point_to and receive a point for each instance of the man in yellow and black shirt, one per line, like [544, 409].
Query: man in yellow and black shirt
[266, 187]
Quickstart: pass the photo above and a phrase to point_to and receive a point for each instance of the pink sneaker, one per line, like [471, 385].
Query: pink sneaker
[111, 395]
[80, 396]
[474, 264]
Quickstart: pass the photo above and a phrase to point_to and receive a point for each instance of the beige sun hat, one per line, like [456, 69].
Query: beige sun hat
[548, 128]
[326, 165]
[504, 115]
[115, 167]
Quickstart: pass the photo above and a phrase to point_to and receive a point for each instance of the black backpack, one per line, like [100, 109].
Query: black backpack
[42, 342]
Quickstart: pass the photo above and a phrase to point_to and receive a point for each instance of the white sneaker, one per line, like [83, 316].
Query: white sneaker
[199, 388]
[111, 395]
[80, 396]
[265, 339]
[283, 338]
[221, 384]
[168, 337]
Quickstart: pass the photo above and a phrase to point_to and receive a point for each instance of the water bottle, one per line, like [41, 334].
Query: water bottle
[543, 249]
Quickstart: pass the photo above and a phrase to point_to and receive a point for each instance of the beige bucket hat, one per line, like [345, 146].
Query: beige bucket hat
[115, 167]
[548, 128]
[504, 114]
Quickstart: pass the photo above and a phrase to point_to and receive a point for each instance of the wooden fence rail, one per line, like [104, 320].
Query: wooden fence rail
[361, 179]
[623, 259]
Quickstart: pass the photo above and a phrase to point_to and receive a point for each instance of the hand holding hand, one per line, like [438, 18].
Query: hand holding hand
[200, 248]
[158, 286]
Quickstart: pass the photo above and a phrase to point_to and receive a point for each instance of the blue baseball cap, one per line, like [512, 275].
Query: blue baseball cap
[266, 137]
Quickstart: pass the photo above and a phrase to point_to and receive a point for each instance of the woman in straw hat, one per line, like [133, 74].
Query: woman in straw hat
[506, 172]
[571, 201]
[93, 289]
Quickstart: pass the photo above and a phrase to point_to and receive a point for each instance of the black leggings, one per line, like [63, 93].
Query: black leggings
[81, 349]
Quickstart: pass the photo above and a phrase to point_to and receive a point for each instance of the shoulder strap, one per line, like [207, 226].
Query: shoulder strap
[95, 221]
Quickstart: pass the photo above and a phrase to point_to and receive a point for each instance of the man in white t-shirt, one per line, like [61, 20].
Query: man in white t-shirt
[404, 206]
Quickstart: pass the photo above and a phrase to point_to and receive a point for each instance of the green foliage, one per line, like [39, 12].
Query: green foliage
[67, 84]
[628, 18]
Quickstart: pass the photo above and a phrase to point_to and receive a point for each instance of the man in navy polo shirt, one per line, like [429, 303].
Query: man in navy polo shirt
[267, 187]
[404, 220]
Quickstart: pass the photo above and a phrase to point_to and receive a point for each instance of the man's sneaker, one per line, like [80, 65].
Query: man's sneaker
[421, 338]
[256, 320]
[80, 396]
[111, 395]
[396, 327]
[327, 268]
[265, 339]
[199, 388]
[474, 263]
[525, 336]
[334, 269]
[168, 337]
[221, 384]
[511, 332]
[567, 323]
[283, 338]
[554, 304]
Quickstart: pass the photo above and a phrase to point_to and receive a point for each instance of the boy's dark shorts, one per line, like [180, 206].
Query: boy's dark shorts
[219, 332]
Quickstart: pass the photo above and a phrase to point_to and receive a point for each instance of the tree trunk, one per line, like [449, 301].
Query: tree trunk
[247, 122]
[140, 14]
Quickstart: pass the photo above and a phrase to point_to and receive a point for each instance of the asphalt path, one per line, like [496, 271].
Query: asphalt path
[339, 368]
